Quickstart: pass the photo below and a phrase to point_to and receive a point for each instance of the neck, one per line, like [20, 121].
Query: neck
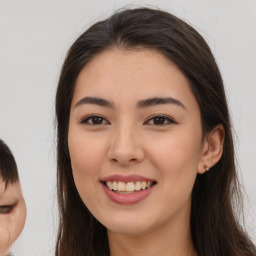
[171, 239]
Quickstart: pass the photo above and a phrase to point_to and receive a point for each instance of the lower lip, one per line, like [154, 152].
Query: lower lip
[127, 199]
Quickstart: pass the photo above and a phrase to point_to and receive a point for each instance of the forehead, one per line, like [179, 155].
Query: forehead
[3, 186]
[140, 73]
[12, 190]
[2, 183]
[6, 179]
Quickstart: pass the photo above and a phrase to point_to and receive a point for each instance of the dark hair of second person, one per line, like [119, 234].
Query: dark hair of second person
[8, 167]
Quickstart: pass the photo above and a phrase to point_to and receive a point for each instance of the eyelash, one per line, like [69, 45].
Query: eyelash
[167, 120]
[5, 209]
[89, 118]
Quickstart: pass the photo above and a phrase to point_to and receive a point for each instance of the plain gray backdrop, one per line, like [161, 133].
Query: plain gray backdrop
[34, 38]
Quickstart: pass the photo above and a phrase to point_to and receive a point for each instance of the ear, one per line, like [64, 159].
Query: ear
[212, 148]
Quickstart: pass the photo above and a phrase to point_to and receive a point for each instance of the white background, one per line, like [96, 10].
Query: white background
[34, 38]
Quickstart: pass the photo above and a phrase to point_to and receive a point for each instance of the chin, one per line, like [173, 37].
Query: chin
[127, 225]
[131, 230]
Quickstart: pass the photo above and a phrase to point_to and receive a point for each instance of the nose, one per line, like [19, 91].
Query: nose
[125, 147]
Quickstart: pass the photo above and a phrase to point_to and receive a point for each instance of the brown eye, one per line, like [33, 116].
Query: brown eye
[5, 209]
[94, 120]
[160, 120]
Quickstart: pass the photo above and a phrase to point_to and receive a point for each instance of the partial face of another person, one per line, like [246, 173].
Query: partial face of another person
[135, 141]
[12, 215]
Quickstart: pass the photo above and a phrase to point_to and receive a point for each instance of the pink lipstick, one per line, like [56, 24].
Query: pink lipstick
[127, 190]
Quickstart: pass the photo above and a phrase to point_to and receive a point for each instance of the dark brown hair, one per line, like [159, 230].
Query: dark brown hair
[8, 167]
[214, 227]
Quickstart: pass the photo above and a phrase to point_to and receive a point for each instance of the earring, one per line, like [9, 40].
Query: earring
[206, 168]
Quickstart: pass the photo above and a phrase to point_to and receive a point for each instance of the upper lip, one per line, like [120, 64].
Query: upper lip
[126, 178]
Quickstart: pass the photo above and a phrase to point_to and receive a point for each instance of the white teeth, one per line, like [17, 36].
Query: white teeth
[143, 184]
[121, 186]
[128, 187]
[109, 185]
[114, 187]
[138, 185]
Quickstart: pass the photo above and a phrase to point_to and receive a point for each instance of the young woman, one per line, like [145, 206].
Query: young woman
[12, 204]
[145, 151]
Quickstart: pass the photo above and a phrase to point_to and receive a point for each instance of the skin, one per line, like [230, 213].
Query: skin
[128, 141]
[12, 215]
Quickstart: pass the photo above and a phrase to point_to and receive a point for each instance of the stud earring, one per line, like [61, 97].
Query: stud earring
[206, 168]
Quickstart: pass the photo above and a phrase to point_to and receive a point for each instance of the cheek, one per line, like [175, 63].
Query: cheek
[18, 219]
[86, 153]
[176, 152]
[176, 158]
[4, 233]
[11, 226]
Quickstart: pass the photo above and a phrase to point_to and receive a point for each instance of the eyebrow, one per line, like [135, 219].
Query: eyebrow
[159, 101]
[141, 104]
[96, 101]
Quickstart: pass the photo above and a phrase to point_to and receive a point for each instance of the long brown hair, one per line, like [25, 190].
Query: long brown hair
[214, 227]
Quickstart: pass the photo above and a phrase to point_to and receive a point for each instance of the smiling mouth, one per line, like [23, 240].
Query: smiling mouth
[120, 187]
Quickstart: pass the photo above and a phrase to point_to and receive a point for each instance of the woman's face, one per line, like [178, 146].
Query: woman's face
[12, 215]
[135, 141]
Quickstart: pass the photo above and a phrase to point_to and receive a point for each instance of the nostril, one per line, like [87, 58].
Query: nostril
[133, 160]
